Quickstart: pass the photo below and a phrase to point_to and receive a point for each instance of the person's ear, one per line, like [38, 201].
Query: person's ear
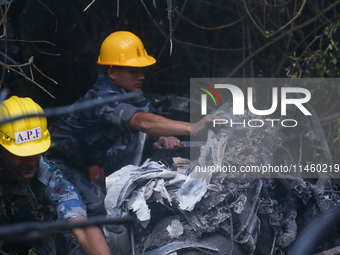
[111, 73]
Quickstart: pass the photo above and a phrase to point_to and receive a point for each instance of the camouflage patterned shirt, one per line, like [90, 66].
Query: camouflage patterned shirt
[56, 191]
[60, 193]
[84, 137]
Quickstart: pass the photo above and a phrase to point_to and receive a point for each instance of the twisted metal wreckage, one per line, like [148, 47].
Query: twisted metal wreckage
[226, 213]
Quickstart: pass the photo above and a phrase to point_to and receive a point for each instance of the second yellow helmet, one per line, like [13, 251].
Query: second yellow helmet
[23, 137]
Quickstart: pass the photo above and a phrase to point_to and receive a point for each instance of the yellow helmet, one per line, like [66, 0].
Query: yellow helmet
[123, 48]
[23, 137]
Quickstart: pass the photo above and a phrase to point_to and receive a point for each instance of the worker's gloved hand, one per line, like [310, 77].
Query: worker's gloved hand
[167, 143]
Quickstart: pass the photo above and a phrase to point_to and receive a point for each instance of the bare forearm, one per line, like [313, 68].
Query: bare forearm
[155, 125]
[91, 239]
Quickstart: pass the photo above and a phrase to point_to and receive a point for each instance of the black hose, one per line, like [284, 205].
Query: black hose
[312, 236]
[31, 231]
[62, 110]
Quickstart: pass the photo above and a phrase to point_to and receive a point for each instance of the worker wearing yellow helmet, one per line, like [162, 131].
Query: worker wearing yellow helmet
[124, 49]
[81, 139]
[29, 183]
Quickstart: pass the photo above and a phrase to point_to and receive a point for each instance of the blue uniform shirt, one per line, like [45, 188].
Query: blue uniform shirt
[84, 137]
[60, 193]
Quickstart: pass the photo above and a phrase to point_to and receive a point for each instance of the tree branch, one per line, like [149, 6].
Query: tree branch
[281, 28]
[280, 37]
[208, 28]
[330, 118]
[23, 74]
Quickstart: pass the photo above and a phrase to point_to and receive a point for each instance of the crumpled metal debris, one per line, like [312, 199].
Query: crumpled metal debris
[239, 208]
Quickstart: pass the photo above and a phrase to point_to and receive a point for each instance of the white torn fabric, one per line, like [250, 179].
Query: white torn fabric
[149, 189]
[121, 183]
[138, 204]
[158, 197]
[182, 164]
[130, 187]
[191, 192]
[162, 190]
[175, 229]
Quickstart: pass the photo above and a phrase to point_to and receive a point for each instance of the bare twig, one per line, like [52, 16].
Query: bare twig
[330, 118]
[278, 5]
[169, 2]
[55, 17]
[89, 5]
[44, 74]
[6, 10]
[281, 36]
[180, 13]
[286, 55]
[160, 29]
[216, 5]
[30, 64]
[47, 53]
[81, 25]
[317, 37]
[267, 35]
[253, 20]
[22, 73]
[41, 87]
[32, 42]
[208, 28]
[32, 76]
[5, 55]
[291, 21]
[206, 47]
[39, 41]
[3, 29]
[15, 63]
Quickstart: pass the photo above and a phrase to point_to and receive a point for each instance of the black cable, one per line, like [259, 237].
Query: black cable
[31, 231]
[16, 64]
[311, 237]
[62, 110]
